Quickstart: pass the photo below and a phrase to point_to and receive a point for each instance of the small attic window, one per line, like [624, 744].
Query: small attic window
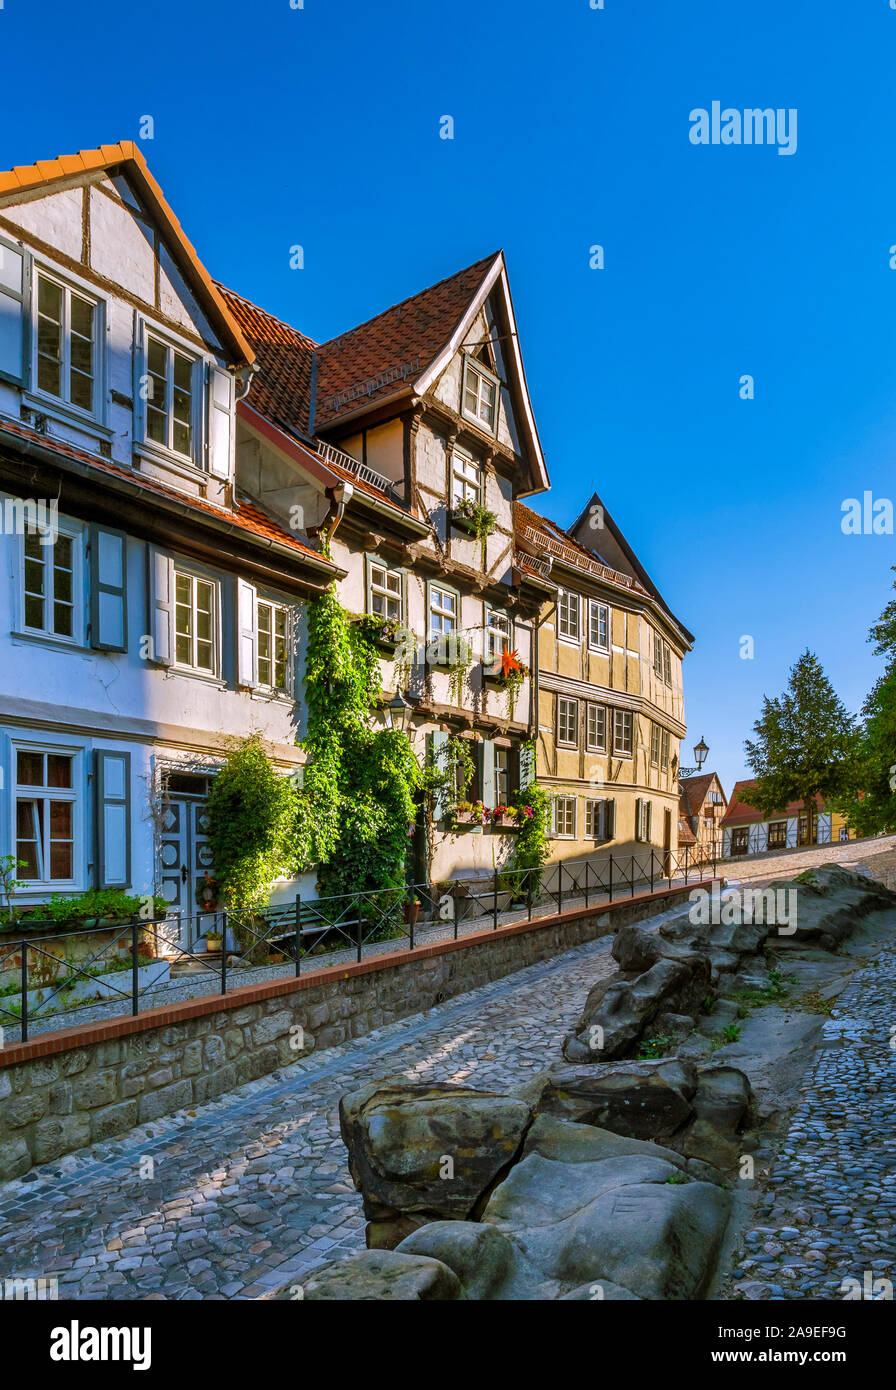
[480, 394]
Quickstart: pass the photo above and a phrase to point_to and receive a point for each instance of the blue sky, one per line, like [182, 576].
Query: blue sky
[320, 126]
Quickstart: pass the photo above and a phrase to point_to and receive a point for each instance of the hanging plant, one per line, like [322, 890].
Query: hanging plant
[510, 679]
[458, 666]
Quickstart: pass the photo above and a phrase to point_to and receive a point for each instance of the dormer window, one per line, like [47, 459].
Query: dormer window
[480, 395]
[169, 397]
[66, 343]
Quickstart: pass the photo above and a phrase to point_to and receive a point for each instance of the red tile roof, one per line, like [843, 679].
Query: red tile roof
[412, 332]
[127, 157]
[740, 813]
[692, 792]
[686, 835]
[281, 389]
[247, 516]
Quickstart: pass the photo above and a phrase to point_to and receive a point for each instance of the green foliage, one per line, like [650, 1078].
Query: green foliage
[532, 846]
[9, 883]
[806, 743]
[482, 521]
[251, 810]
[869, 803]
[657, 1046]
[357, 805]
[96, 903]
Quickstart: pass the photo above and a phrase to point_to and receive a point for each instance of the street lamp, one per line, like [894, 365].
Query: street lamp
[701, 751]
[398, 712]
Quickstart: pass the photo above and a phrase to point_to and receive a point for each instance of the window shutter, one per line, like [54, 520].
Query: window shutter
[443, 796]
[648, 820]
[161, 605]
[487, 772]
[639, 819]
[610, 820]
[246, 632]
[220, 422]
[112, 819]
[108, 590]
[527, 765]
[514, 758]
[12, 312]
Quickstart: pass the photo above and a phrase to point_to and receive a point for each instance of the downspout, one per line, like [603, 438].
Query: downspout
[339, 496]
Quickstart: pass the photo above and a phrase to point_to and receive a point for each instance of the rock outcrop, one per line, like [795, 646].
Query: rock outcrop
[422, 1153]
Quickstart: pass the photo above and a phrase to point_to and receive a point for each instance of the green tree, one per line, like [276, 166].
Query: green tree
[252, 811]
[806, 743]
[869, 805]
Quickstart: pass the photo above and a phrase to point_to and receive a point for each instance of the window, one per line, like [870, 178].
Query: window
[740, 840]
[654, 745]
[777, 834]
[564, 817]
[385, 592]
[51, 585]
[568, 616]
[442, 611]
[715, 798]
[498, 635]
[662, 659]
[568, 722]
[598, 626]
[66, 344]
[273, 645]
[195, 620]
[480, 396]
[664, 750]
[45, 799]
[502, 776]
[594, 820]
[622, 733]
[596, 728]
[844, 834]
[643, 820]
[169, 397]
[466, 480]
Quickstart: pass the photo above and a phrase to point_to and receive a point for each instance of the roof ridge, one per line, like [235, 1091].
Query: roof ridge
[400, 303]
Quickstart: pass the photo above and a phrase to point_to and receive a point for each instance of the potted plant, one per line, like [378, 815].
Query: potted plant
[507, 674]
[475, 520]
[411, 910]
[214, 940]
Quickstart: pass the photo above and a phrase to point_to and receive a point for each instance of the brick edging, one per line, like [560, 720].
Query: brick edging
[69, 1039]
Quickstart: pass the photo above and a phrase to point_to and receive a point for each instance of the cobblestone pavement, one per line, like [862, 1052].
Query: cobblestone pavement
[789, 862]
[245, 1193]
[830, 1206]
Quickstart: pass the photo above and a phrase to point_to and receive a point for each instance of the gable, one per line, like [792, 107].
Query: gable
[101, 214]
[484, 336]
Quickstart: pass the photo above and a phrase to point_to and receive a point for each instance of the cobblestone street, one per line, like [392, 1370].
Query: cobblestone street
[833, 1214]
[251, 1190]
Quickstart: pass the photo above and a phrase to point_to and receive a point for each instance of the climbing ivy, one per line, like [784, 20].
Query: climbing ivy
[357, 807]
[252, 821]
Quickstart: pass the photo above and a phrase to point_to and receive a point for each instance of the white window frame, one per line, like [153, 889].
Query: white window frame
[563, 721]
[466, 479]
[181, 572]
[64, 401]
[556, 832]
[194, 462]
[499, 773]
[595, 818]
[436, 609]
[76, 534]
[620, 716]
[285, 609]
[564, 615]
[595, 744]
[74, 794]
[664, 750]
[644, 828]
[654, 745]
[473, 367]
[492, 651]
[388, 593]
[595, 608]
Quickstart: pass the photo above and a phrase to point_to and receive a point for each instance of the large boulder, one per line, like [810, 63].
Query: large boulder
[616, 1015]
[643, 1100]
[823, 905]
[724, 1108]
[378, 1275]
[420, 1153]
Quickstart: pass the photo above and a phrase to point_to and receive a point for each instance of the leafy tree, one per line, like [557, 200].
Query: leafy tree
[870, 805]
[806, 743]
[252, 810]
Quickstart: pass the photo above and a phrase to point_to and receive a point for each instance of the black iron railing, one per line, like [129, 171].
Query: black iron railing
[372, 920]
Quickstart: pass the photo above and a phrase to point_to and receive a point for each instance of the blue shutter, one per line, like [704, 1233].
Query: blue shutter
[487, 772]
[442, 799]
[108, 590]
[12, 312]
[112, 818]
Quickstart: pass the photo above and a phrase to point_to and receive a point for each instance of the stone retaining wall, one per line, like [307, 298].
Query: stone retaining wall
[77, 1086]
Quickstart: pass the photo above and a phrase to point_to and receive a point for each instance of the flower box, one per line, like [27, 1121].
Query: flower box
[465, 523]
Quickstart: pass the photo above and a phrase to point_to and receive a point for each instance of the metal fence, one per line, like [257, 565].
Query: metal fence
[350, 923]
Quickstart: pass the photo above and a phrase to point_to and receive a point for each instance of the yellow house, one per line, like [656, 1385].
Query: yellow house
[608, 692]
